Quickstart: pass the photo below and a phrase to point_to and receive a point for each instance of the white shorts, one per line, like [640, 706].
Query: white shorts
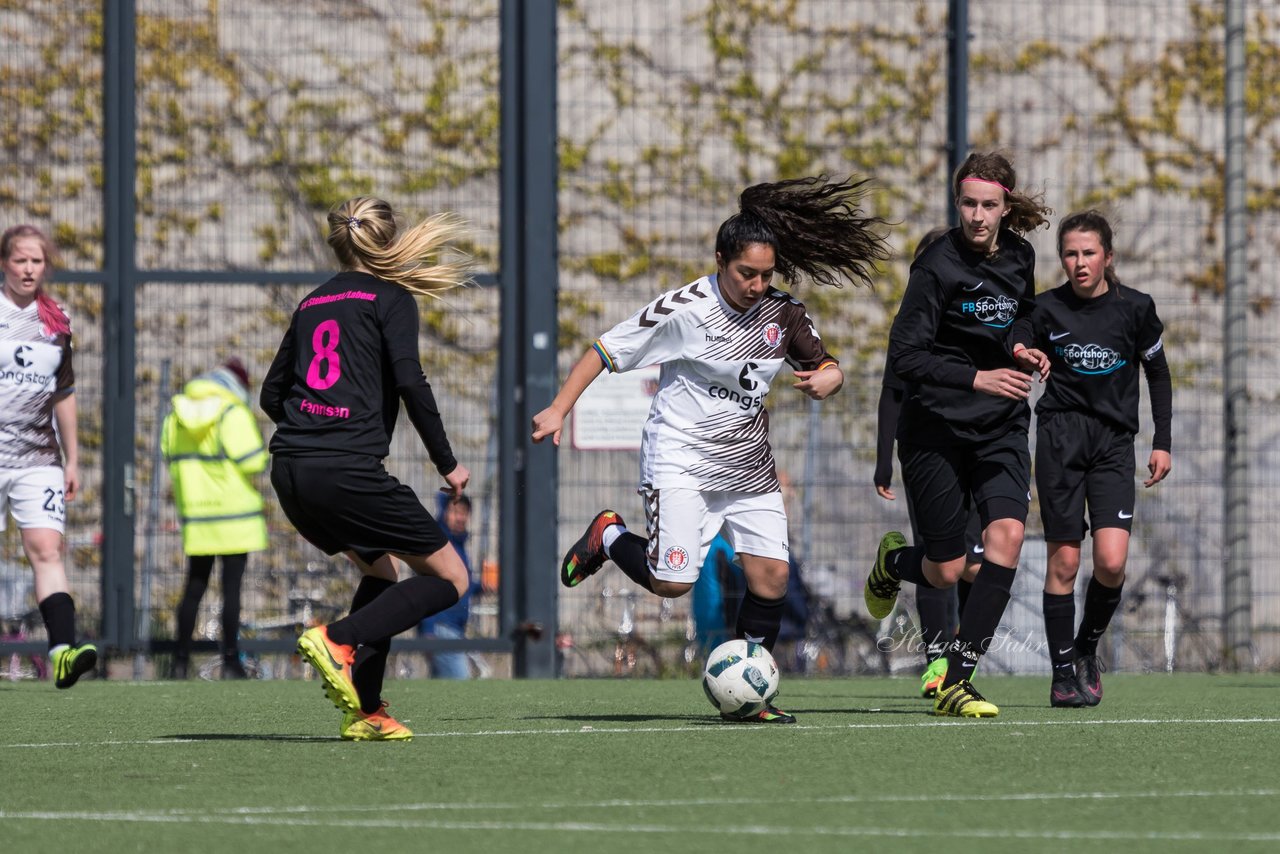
[34, 496]
[682, 523]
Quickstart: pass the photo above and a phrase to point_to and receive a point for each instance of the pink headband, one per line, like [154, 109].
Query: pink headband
[986, 181]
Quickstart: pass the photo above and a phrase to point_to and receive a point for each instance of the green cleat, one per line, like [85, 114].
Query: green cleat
[962, 700]
[376, 726]
[333, 662]
[881, 590]
[931, 681]
[72, 662]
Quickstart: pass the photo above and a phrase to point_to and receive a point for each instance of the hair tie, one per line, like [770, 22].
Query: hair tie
[352, 222]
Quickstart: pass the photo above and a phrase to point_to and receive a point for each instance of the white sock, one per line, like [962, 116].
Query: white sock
[610, 535]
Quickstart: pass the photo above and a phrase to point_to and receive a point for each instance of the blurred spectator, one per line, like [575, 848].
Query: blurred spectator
[213, 447]
[454, 513]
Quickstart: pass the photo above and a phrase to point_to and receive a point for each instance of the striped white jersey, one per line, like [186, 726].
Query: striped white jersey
[708, 428]
[35, 373]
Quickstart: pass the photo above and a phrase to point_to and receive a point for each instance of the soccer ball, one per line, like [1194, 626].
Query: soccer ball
[740, 678]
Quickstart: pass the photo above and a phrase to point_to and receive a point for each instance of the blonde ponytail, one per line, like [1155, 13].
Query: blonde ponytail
[363, 233]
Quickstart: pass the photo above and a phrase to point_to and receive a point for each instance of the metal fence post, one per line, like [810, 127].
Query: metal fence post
[528, 370]
[1237, 593]
[119, 153]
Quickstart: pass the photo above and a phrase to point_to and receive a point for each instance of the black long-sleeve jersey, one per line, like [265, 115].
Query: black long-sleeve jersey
[889, 407]
[960, 314]
[349, 357]
[1094, 347]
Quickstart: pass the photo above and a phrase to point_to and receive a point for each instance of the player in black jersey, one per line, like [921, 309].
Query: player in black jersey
[938, 608]
[958, 341]
[705, 462]
[39, 469]
[347, 361]
[1096, 332]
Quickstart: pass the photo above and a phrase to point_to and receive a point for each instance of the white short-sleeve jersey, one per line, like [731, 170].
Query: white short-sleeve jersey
[35, 372]
[708, 428]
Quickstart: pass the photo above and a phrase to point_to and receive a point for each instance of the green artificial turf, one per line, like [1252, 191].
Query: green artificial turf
[1166, 763]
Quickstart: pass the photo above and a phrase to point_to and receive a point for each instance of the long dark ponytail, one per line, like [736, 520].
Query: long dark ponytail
[815, 227]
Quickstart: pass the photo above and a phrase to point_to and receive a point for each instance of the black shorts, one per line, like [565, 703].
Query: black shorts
[1081, 459]
[351, 503]
[945, 484]
[973, 548]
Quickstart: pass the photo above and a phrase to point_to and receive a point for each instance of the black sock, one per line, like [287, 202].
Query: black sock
[907, 564]
[629, 552]
[759, 620]
[979, 621]
[371, 658]
[1100, 603]
[400, 607]
[232, 573]
[1059, 620]
[936, 631]
[963, 589]
[59, 614]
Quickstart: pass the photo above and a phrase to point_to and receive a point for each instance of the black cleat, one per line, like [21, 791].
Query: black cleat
[1066, 694]
[1089, 670]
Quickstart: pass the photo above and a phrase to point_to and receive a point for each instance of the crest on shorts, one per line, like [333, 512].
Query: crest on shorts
[772, 334]
[676, 558]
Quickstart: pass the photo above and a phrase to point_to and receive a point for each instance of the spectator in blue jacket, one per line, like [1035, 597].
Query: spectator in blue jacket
[454, 513]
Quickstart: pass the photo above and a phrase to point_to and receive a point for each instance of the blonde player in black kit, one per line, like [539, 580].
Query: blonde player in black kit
[1096, 332]
[705, 462]
[963, 429]
[346, 363]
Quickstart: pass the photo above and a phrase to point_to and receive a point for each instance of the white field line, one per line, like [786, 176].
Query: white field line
[323, 821]
[708, 729]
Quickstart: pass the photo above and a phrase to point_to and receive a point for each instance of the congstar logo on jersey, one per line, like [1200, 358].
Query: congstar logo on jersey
[1092, 359]
[746, 402]
[997, 311]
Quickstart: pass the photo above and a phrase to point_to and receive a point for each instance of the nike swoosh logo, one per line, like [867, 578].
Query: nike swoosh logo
[1124, 515]
[974, 287]
[1054, 336]
[978, 550]
[1066, 651]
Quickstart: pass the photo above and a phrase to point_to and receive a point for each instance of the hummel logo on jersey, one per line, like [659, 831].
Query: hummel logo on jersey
[1124, 515]
[1054, 336]
[974, 287]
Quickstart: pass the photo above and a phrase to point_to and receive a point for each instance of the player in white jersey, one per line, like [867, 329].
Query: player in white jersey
[705, 461]
[39, 468]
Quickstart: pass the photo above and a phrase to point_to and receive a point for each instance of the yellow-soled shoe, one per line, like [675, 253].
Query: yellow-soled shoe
[881, 589]
[376, 726]
[72, 662]
[962, 700]
[333, 662]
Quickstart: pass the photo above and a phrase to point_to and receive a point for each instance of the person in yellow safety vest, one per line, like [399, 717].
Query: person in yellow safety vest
[212, 445]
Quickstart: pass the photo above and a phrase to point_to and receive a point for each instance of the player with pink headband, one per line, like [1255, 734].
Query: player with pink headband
[960, 343]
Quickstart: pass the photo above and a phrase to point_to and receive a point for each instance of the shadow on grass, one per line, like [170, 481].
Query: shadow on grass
[239, 736]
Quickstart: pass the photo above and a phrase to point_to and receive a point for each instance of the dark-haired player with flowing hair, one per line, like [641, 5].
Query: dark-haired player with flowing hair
[705, 461]
[39, 457]
[961, 342]
[346, 363]
[1096, 332]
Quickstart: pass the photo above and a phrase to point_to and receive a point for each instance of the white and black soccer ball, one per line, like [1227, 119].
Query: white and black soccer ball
[740, 678]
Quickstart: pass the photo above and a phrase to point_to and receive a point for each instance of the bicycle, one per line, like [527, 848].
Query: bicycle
[19, 666]
[624, 654]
